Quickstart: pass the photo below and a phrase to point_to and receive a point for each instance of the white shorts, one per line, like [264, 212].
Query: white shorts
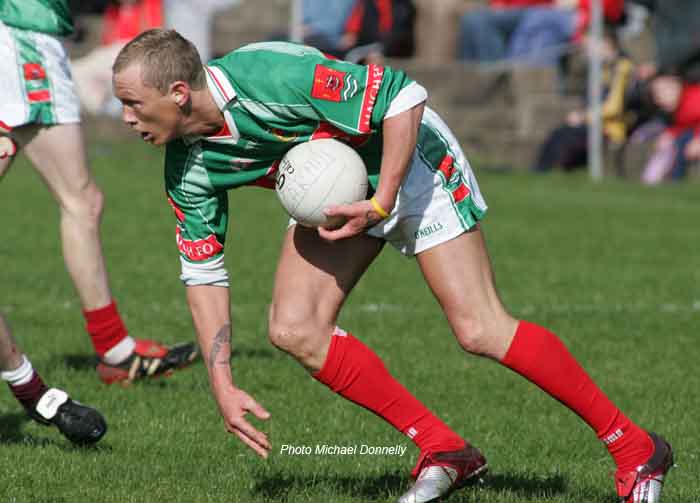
[439, 198]
[35, 81]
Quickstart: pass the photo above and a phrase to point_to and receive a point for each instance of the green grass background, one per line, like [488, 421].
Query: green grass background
[613, 268]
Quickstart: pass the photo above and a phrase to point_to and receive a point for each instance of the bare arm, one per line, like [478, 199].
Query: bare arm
[209, 306]
[400, 137]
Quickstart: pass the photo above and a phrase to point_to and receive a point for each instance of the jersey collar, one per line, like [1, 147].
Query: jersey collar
[223, 93]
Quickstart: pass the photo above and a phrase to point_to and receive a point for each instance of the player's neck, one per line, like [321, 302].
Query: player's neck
[205, 118]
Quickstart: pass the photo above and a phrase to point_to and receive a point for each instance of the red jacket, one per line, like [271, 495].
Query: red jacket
[613, 10]
[123, 22]
[687, 115]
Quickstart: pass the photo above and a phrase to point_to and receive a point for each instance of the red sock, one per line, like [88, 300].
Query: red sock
[105, 327]
[356, 373]
[29, 394]
[539, 356]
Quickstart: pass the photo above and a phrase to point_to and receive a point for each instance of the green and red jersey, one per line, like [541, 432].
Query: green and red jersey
[273, 96]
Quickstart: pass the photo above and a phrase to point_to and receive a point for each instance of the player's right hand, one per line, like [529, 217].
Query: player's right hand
[234, 404]
[7, 147]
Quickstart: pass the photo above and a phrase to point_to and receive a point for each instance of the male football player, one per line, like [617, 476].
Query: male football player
[227, 124]
[49, 406]
[40, 113]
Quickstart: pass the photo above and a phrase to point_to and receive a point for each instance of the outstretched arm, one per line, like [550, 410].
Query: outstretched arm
[209, 306]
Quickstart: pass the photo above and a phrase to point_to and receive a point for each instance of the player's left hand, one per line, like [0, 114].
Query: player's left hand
[359, 217]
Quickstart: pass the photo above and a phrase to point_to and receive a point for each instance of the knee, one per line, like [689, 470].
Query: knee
[299, 336]
[86, 205]
[472, 334]
[488, 336]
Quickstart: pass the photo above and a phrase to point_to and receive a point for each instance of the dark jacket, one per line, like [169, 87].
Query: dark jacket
[676, 26]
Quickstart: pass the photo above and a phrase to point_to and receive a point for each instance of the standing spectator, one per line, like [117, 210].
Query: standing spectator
[194, 19]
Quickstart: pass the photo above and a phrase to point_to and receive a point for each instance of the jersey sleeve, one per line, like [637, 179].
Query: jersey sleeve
[283, 81]
[201, 216]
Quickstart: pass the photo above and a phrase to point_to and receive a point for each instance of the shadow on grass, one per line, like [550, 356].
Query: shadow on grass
[77, 361]
[11, 433]
[276, 487]
[527, 486]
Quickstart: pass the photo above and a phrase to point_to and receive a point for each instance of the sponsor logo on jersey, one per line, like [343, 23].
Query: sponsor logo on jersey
[333, 85]
[375, 74]
[198, 249]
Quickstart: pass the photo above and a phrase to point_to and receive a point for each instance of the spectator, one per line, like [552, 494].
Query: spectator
[675, 27]
[567, 146]
[486, 32]
[325, 24]
[679, 143]
[194, 19]
[538, 35]
[360, 30]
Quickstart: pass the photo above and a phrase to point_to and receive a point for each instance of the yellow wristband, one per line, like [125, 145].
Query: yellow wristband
[378, 208]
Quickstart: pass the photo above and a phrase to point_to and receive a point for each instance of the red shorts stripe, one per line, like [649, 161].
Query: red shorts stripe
[447, 167]
[460, 193]
[39, 96]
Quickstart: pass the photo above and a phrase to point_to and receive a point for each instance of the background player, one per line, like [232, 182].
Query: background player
[40, 113]
[49, 406]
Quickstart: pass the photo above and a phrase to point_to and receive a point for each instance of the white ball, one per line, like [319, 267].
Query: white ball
[317, 174]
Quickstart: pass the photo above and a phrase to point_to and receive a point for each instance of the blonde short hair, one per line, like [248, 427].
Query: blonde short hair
[165, 57]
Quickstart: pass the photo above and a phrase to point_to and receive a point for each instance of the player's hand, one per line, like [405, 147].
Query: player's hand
[359, 216]
[692, 149]
[234, 404]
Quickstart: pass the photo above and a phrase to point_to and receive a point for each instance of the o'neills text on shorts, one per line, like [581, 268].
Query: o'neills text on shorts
[342, 450]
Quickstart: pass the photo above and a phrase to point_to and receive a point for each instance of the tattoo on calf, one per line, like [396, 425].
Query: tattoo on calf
[221, 339]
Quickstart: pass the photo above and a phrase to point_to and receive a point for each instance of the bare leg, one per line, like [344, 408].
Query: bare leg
[58, 154]
[10, 355]
[459, 273]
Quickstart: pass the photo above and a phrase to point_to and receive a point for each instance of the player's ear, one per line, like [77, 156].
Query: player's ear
[180, 93]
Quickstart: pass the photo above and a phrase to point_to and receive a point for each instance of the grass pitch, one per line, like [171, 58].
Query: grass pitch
[613, 268]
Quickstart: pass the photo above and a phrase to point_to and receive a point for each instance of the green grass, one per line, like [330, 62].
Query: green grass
[613, 268]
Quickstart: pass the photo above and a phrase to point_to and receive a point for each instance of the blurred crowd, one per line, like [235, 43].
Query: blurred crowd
[655, 100]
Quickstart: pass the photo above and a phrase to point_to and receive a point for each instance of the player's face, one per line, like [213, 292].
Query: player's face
[155, 116]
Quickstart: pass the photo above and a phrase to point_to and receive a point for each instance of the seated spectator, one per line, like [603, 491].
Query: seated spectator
[679, 143]
[360, 30]
[486, 32]
[538, 34]
[567, 146]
